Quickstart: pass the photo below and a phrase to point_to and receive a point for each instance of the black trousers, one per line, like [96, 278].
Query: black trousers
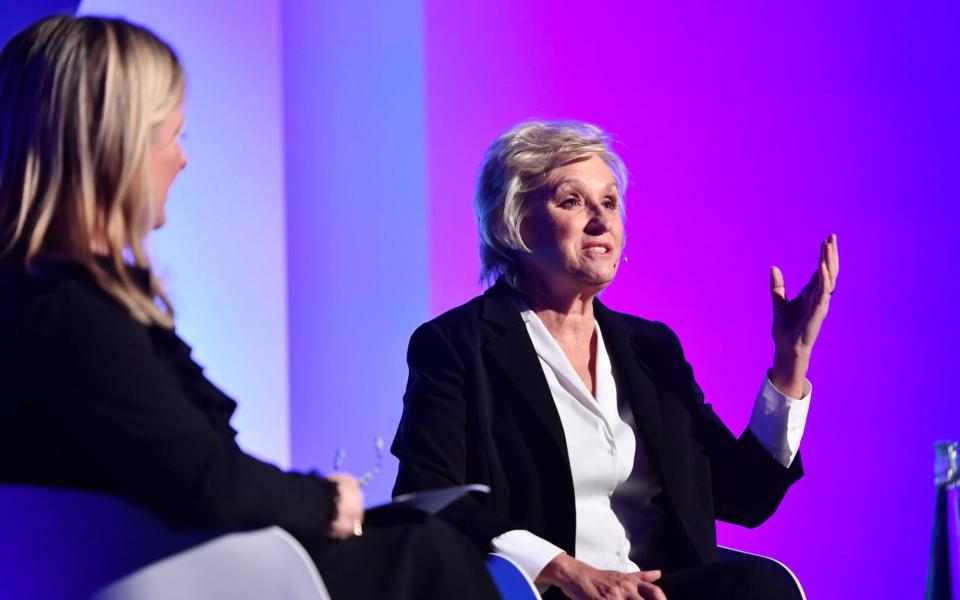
[409, 556]
[735, 576]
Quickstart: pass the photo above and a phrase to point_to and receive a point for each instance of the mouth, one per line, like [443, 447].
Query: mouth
[598, 249]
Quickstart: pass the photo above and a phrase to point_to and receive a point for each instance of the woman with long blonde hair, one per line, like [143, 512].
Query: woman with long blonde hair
[97, 392]
[85, 168]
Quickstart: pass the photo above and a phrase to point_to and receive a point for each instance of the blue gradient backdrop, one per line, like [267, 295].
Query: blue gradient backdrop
[357, 224]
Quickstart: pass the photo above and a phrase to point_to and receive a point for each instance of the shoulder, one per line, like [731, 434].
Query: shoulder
[461, 334]
[60, 303]
[653, 343]
[479, 320]
[462, 317]
[643, 330]
[447, 334]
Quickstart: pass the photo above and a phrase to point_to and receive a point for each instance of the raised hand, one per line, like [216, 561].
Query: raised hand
[797, 322]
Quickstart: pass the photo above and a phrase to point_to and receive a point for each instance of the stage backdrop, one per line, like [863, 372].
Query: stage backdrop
[326, 212]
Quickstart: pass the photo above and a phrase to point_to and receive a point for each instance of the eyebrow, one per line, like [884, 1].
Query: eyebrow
[577, 184]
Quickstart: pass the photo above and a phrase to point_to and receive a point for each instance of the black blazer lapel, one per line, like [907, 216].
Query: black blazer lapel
[512, 350]
[633, 383]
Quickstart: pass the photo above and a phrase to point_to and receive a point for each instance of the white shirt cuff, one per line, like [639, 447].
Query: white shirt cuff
[778, 421]
[530, 552]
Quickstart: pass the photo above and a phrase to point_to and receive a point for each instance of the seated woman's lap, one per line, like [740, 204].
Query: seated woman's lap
[423, 559]
[737, 577]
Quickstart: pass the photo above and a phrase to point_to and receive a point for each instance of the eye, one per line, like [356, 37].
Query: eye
[569, 202]
[610, 203]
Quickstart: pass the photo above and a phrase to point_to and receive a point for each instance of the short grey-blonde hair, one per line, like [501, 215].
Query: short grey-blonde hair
[514, 167]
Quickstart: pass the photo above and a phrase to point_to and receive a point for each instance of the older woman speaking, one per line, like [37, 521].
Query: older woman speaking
[607, 468]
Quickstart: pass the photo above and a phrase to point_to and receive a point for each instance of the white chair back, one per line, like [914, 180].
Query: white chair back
[248, 565]
[57, 543]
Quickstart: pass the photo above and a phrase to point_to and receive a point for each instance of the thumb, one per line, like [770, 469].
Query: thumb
[777, 287]
[650, 576]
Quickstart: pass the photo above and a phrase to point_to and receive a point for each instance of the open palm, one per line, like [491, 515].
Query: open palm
[797, 321]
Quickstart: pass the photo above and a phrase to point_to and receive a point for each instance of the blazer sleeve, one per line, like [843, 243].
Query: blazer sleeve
[433, 436]
[747, 483]
[96, 375]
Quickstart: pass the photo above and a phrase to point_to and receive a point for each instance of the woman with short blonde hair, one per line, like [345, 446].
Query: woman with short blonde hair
[513, 171]
[607, 469]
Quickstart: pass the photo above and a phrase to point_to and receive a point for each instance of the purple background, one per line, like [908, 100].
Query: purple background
[751, 131]
[344, 143]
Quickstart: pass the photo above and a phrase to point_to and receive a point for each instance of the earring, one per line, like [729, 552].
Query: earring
[623, 257]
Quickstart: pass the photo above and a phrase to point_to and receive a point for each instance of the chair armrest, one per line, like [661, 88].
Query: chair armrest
[244, 565]
[725, 553]
[510, 581]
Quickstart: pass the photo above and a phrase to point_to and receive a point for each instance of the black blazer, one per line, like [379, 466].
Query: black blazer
[478, 409]
[91, 399]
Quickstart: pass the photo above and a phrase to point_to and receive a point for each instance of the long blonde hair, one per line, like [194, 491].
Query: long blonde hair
[79, 98]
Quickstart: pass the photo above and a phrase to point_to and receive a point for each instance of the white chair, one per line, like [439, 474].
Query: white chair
[264, 563]
[66, 544]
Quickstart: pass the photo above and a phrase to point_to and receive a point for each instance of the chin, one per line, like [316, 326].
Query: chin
[595, 285]
[602, 285]
[603, 278]
[160, 209]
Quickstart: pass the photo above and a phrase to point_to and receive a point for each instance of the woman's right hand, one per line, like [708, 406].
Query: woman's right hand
[349, 518]
[580, 581]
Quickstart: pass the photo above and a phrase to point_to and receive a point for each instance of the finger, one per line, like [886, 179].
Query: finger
[818, 274]
[348, 484]
[341, 528]
[825, 288]
[827, 257]
[811, 292]
[651, 592]
[650, 576]
[833, 260]
[777, 287]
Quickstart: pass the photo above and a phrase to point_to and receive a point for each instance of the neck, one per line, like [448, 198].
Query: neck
[562, 312]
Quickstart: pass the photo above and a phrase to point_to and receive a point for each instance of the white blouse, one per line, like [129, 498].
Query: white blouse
[602, 450]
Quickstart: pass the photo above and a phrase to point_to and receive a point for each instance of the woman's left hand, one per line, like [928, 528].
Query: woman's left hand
[348, 520]
[797, 322]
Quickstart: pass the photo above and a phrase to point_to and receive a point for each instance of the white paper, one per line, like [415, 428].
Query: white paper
[433, 501]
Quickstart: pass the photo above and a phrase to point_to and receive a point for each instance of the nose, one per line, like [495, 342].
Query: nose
[600, 221]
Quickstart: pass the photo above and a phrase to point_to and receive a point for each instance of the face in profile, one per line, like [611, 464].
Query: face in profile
[166, 160]
[574, 228]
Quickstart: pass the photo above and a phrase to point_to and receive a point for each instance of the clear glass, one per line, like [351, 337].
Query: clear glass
[946, 472]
